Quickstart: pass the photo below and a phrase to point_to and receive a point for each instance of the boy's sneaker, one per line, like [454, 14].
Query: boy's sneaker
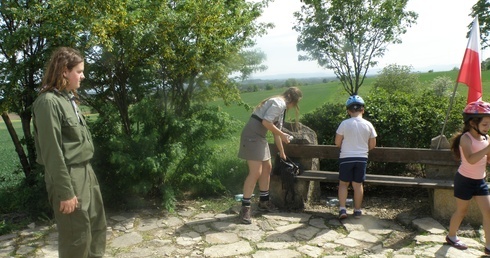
[245, 215]
[267, 206]
[357, 214]
[342, 214]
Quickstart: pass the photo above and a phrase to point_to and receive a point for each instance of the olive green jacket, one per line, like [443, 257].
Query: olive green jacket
[61, 140]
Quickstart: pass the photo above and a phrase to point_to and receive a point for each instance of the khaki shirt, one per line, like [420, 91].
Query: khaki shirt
[61, 139]
[273, 111]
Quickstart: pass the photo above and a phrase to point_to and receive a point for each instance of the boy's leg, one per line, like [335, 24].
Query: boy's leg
[346, 175]
[357, 183]
[343, 190]
[358, 195]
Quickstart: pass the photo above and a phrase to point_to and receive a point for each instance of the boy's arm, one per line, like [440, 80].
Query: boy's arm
[372, 143]
[338, 139]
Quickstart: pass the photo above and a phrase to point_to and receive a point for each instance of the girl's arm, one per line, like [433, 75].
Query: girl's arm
[472, 157]
[279, 137]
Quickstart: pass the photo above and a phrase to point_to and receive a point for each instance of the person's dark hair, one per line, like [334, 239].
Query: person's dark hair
[457, 137]
[63, 58]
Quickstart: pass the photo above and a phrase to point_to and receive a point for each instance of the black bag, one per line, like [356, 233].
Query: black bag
[287, 170]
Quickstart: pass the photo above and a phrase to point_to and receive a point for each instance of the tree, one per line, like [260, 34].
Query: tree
[200, 44]
[485, 65]
[291, 82]
[185, 51]
[29, 31]
[441, 85]
[347, 36]
[397, 78]
[482, 9]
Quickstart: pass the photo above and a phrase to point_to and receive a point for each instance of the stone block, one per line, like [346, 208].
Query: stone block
[444, 204]
[279, 198]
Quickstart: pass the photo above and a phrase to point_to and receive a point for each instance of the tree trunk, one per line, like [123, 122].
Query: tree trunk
[18, 147]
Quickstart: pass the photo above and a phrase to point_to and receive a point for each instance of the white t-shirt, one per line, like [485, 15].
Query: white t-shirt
[356, 131]
[272, 111]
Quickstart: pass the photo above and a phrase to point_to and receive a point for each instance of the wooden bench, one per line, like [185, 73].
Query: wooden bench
[403, 181]
[439, 167]
[428, 157]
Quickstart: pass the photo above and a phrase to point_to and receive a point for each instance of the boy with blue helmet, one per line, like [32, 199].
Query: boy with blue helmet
[355, 136]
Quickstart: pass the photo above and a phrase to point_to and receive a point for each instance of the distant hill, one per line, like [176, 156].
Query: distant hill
[329, 74]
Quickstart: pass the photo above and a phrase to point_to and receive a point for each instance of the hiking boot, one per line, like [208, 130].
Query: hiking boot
[245, 215]
[342, 214]
[267, 206]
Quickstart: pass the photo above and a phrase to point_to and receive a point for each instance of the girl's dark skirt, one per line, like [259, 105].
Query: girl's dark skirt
[253, 144]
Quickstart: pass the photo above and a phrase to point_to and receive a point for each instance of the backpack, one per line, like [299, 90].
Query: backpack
[287, 170]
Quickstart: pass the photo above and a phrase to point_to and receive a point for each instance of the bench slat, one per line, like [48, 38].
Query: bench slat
[330, 176]
[378, 154]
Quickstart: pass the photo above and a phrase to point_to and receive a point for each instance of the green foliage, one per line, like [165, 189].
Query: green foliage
[166, 156]
[324, 121]
[482, 9]
[411, 120]
[401, 120]
[291, 82]
[485, 65]
[30, 201]
[397, 78]
[348, 36]
[442, 85]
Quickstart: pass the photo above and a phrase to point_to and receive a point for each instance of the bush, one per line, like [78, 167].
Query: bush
[30, 202]
[401, 120]
[397, 78]
[165, 157]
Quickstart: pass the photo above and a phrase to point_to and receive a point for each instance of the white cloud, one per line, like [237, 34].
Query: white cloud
[437, 40]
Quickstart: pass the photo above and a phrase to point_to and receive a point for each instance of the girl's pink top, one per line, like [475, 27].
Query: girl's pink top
[477, 170]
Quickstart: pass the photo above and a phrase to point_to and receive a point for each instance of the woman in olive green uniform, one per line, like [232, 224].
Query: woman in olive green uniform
[64, 146]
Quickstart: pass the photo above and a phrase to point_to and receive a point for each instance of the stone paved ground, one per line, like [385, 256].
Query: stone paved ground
[196, 232]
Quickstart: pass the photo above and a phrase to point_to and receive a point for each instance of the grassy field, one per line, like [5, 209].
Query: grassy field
[9, 160]
[317, 94]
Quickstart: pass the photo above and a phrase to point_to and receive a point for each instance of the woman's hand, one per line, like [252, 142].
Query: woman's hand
[283, 155]
[68, 206]
[285, 137]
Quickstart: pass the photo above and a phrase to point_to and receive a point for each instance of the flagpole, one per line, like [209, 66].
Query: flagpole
[447, 114]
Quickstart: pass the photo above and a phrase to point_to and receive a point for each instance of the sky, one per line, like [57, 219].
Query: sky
[438, 40]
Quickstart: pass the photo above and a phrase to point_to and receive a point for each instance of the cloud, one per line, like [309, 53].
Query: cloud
[437, 40]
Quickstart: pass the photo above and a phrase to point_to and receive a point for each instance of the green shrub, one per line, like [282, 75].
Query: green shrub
[401, 120]
[166, 155]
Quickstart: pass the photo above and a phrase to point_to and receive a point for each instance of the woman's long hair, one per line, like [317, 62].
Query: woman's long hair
[291, 95]
[62, 59]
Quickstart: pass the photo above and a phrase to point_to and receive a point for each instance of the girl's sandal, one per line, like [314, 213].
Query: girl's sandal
[458, 244]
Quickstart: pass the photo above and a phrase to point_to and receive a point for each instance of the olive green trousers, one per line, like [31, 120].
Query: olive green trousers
[82, 233]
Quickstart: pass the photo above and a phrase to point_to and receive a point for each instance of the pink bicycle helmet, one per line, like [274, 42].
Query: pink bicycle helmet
[476, 109]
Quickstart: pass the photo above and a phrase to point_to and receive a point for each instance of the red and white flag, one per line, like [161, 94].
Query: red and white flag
[470, 71]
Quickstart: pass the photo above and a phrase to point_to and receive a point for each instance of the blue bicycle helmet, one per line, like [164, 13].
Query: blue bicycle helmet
[354, 100]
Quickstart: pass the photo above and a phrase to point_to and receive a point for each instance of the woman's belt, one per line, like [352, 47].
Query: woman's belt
[257, 117]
